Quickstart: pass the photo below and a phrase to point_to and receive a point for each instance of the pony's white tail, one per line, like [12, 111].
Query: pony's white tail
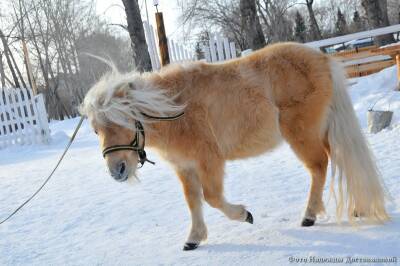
[359, 183]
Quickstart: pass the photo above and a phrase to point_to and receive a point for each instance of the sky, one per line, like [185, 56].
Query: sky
[113, 11]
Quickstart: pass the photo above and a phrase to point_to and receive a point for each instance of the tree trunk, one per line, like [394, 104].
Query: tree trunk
[376, 11]
[2, 72]
[141, 55]
[6, 53]
[17, 69]
[251, 24]
[315, 32]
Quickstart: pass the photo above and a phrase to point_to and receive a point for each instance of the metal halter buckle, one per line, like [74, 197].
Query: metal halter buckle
[133, 146]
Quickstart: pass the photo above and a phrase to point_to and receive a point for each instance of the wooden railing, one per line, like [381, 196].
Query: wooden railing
[354, 36]
[368, 60]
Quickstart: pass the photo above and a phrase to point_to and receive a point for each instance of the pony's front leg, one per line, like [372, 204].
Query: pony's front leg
[211, 174]
[193, 194]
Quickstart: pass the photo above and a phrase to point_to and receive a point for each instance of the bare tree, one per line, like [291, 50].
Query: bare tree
[357, 24]
[7, 53]
[275, 17]
[393, 10]
[2, 72]
[58, 33]
[251, 24]
[300, 28]
[141, 55]
[215, 15]
[50, 29]
[376, 11]
[341, 24]
[315, 31]
[101, 42]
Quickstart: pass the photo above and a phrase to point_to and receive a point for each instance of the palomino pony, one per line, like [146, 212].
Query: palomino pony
[238, 109]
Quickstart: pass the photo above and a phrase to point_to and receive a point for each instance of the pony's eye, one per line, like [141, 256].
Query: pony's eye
[96, 132]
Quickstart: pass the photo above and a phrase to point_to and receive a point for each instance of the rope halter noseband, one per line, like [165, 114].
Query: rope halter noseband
[135, 144]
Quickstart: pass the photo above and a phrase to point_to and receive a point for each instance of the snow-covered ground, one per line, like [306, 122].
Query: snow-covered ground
[84, 217]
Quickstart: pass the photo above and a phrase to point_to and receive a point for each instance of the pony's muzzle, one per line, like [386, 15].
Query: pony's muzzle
[119, 171]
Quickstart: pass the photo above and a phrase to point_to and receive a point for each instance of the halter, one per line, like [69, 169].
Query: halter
[135, 144]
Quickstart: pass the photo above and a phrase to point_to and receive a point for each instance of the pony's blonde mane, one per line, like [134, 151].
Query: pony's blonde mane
[120, 98]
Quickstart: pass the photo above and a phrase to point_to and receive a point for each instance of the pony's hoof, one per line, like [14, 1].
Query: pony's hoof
[190, 246]
[307, 222]
[249, 218]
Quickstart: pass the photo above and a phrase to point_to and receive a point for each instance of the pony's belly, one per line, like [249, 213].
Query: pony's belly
[256, 143]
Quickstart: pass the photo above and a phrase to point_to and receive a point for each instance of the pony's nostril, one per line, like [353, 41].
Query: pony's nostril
[122, 167]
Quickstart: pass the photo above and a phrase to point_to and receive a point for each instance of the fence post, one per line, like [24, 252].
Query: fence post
[398, 71]
[9, 120]
[162, 39]
[212, 49]
[176, 52]
[206, 51]
[227, 49]
[150, 47]
[182, 52]
[171, 56]
[187, 55]
[29, 112]
[29, 67]
[233, 49]
[155, 51]
[42, 118]
[25, 135]
[5, 138]
[219, 48]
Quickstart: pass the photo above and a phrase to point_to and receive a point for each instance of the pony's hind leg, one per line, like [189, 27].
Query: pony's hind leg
[211, 175]
[193, 194]
[317, 169]
[312, 151]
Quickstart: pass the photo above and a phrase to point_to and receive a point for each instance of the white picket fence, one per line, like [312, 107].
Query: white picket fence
[23, 118]
[177, 52]
[219, 49]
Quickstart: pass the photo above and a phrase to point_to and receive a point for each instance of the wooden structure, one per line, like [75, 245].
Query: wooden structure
[29, 67]
[354, 36]
[162, 39]
[364, 61]
[177, 52]
[398, 71]
[369, 60]
[23, 118]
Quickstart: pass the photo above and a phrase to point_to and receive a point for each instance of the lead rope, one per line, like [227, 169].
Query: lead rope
[51, 174]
